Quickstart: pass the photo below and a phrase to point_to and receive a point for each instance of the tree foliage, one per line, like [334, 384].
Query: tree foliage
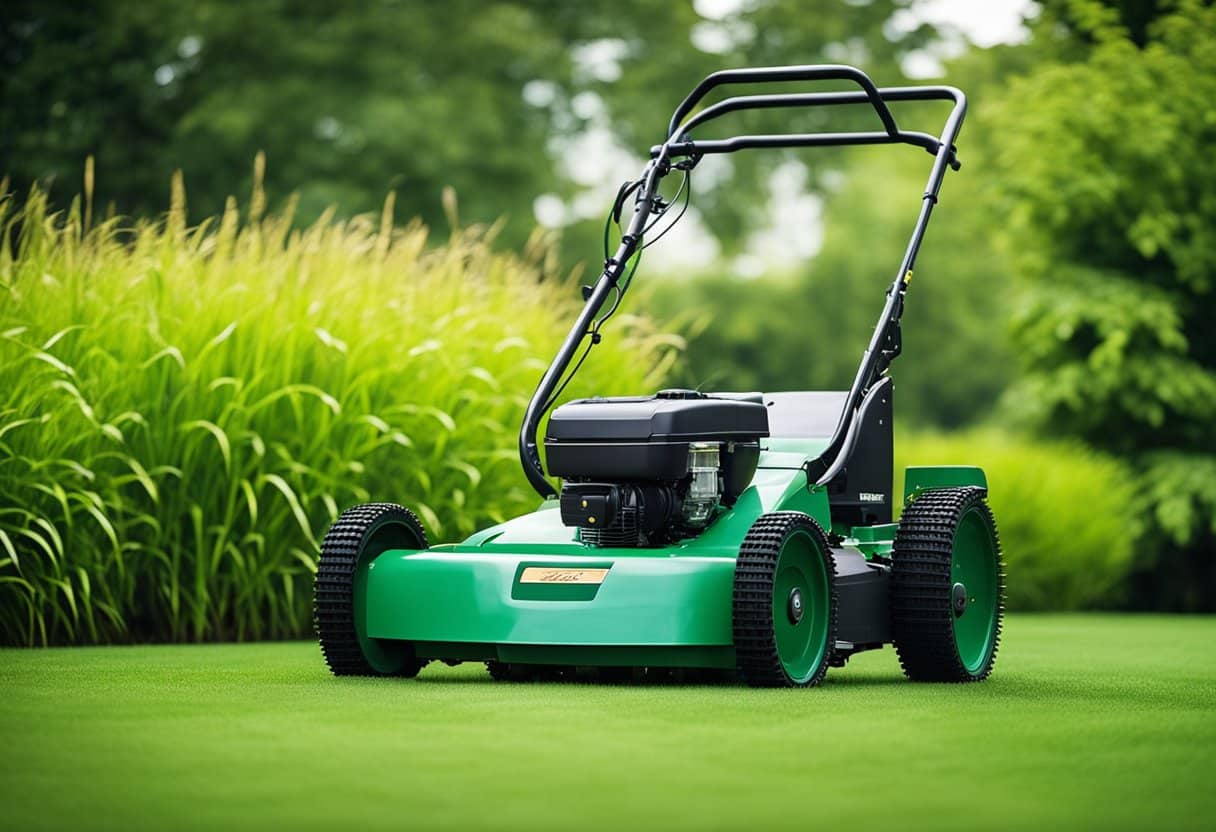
[350, 100]
[1106, 169]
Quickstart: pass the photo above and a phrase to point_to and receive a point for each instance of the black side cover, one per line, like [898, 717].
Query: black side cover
[861, 495]
[863, 590]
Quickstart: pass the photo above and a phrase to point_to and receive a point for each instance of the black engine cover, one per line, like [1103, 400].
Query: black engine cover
[693, 417]
[647, 438]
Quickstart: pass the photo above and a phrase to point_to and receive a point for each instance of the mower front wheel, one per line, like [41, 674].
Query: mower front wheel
[358, 537]
[784, 607]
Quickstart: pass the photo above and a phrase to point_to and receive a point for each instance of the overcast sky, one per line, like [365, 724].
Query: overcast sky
[986, 22]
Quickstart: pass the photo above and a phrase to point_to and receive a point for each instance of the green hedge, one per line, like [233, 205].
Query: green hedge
[184, 410]
[1066, 514]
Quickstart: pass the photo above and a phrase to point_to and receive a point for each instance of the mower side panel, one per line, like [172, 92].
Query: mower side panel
[460, 597]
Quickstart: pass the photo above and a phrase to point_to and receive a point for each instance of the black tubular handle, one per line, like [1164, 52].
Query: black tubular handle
[818, 99]
[785, 140]
[679, 146]
[823, 72]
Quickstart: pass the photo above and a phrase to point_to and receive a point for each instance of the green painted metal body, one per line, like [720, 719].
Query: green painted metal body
[917, 478]
[668, 606]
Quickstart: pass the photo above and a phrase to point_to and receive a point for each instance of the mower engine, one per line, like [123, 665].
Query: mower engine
[649, 471]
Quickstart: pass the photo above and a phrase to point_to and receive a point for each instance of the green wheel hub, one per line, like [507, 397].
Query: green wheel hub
[800, 606]
[974, 573]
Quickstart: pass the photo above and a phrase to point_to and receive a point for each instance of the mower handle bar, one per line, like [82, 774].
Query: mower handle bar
[823, 72]
[870, 381]
[678, 145]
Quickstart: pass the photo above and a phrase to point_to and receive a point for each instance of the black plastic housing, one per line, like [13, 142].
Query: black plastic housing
[590, 505]
[862, 495]
[862, 590]
[663, 417]
[641, 439]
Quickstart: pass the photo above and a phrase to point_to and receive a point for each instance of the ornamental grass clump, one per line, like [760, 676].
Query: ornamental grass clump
[184, 410]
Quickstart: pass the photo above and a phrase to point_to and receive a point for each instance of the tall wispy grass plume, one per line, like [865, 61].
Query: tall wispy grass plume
[184, 409]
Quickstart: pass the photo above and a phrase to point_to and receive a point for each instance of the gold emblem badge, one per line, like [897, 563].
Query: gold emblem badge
[549, 575]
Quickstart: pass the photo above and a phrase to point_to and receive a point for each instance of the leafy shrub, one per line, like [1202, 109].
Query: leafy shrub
[184, 410]
[1066, 514]
[1116, 265]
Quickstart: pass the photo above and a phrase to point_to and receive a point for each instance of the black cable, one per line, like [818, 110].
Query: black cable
[662, 212]
[614, 213]
[594, 338]
[683, 208]
[594, 331]
[569, 376]
[620, 293]
[607, 226]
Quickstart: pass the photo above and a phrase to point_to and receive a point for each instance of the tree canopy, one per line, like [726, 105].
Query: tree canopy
[351, 100]
[1106, 172]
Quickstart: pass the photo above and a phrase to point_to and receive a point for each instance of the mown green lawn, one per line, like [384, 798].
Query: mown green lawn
[1090, 722]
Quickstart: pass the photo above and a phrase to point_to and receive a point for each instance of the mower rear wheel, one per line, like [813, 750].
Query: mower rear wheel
[784, 608]
[947, 587]
[358, 537]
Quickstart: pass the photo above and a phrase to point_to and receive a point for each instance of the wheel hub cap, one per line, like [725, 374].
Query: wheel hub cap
[958, 599]
[794, 606]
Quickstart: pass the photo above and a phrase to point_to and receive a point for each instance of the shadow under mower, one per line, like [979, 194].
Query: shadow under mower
[729, 532]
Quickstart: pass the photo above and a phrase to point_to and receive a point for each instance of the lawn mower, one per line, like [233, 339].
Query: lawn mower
[739, 534]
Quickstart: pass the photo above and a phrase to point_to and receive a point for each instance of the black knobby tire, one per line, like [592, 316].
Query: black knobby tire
[923, 615]
[358, 536]
[758, 656]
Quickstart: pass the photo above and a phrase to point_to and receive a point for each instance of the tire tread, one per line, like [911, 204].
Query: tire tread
[756, 657]
[922, 621]
[333, 588]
